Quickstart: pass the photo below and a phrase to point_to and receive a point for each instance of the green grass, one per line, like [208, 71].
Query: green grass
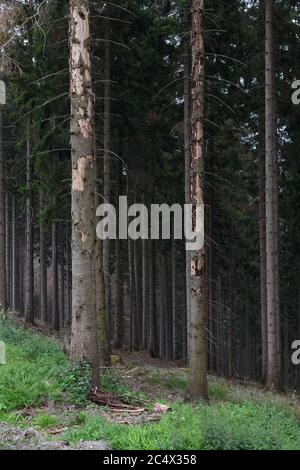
[37, 371]
[219, 427]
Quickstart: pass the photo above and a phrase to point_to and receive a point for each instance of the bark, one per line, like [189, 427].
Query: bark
[84, 337]
[14, 257]
[55, 301]
[8, 249]
[262, 238]
[43, 270]
[62, 292]
[153, 339]
[145, 270]
[174, 311]
[68, 281]
[198, 325]
[187, 166]
[107, 137]
[29, 276]
[272, 277]
[3, 297]
[101, 308]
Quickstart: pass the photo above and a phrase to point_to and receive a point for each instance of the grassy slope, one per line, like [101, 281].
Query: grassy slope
[37, 372]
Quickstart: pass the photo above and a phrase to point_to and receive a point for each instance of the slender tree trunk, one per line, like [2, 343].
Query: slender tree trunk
[153, 340]
[68, 280]
[107, 137]
[8, 249]
[187, 165]
[62, 292]
[231, 316]
[101, 306]
[3, 297]
[29, 289]
[84, 337]
[55, 301]
[198, 324]
[43, 269]
[273, 376]
[145, 272]
[174, 310]
[14, 257]
[263, 283]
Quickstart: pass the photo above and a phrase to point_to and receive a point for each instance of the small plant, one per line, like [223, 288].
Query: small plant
[46, 421]
[217, 392]
[77, 383]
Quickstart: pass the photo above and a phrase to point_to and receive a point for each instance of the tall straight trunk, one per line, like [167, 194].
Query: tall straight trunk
[14, 257]
[137, 296]
[231, 316]
[272, 277]
[43, 269]
[55, 301]
[145, 296]
[211, 272]
[84, 337]
[187, 166]
[62, 292]
[174, 310]
[101, 306]
[198, 325]
[153, 338]
[263, 274]
[29, 276]
[3, 297]
[8, 248]
[68, 281]
[107, 129]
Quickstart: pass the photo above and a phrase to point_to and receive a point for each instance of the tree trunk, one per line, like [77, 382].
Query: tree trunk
[14, 257]
[263, 283]
[84, 337]
[3, 298]
[29, 277]
[273, 375]
[43, 269]
[8, 249]
[107, 128]
[198, 325]
[55, 301]
[187, 166]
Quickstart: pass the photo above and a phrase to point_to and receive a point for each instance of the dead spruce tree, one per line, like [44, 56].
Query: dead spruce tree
[84, 339]
[198, 319]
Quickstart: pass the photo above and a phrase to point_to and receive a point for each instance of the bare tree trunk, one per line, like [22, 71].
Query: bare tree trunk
[62, 291]
[187, 165]
[263, 283]
[153, 339]
[107, 129]
[273, 377]
[14, 257]
[8, 249]
[174, 310]
[43, 269]
[231, 316]
[145, 271]
[101, 306]
[68, 280]
[29, 277]
[198, 326]
[3, 298]
[55, 302]
[84, 337]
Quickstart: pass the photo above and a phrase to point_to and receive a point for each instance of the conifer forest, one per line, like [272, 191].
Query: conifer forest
[150, 227]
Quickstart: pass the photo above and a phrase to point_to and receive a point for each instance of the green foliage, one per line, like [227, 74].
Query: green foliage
[77, 383]
[44, 421]
[37, 371]
[218, 392]
[220, 427]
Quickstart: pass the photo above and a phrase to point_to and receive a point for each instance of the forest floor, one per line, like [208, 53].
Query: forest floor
[44, 405]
